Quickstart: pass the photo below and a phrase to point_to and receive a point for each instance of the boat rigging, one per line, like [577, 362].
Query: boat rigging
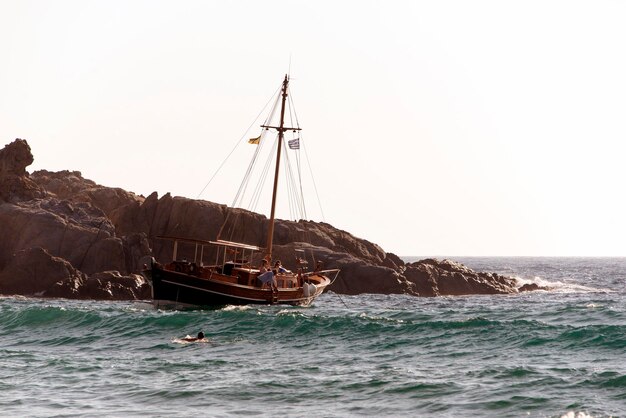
[233, 278]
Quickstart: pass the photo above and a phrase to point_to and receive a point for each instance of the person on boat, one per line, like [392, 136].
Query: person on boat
[266, 275]
[278, 268]
[200, 338]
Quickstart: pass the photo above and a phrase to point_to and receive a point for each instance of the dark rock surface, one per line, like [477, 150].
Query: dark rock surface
[66, 236]
[15, 185]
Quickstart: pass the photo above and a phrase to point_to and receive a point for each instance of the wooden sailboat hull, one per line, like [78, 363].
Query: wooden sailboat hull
[178, 289]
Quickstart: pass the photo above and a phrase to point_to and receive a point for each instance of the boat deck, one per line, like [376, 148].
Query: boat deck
[233, 274]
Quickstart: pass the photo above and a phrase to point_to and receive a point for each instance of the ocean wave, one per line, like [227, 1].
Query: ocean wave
[46, 316]
[559, 286]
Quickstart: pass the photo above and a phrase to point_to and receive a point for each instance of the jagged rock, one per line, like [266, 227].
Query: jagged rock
[434, 277]
[136, 249]
[65, 233]
[15, 157]
[424, 277]
[77, 232]
[321, 234]
[15, 184]
[111, 285]
[71, 186]
[34, 271]
[531, 287]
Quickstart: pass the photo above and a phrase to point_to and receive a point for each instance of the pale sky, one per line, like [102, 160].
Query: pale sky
[436, 128]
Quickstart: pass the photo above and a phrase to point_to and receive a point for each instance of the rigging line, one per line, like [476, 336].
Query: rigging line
[286, 177]
[238, 200]
[340, 298]
[244, 184]
[300, 181]
[294, 199]
[297, 184]
[290, 105]
[298, 199]
[270, 117]
[319, 202]
[294, 110]
[288, 173]
[295, 114]
[237, 143]
[293, 206]
[256, 196]
[246, 177]
[302, 204]
[299, 209]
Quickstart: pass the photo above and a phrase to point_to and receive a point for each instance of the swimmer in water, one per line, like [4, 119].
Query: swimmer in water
[200, 338]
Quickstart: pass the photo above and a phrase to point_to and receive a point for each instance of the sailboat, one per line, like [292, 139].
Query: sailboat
[239, 273]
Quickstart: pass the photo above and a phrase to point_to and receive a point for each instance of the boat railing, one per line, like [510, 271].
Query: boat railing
[198, 243]
[228, 252]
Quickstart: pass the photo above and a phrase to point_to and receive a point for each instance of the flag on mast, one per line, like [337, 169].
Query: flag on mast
[254, 140]
[294, 143]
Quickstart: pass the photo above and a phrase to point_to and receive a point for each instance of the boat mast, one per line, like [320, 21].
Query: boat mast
[281, 130]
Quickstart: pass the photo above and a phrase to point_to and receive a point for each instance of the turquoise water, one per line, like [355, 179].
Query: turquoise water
[540, 354]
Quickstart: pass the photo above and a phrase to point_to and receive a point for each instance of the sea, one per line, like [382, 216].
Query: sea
[557, 353]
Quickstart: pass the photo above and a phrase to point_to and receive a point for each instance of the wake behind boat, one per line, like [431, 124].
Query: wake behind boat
[239, 273]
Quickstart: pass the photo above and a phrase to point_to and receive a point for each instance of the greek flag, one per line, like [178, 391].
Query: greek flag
[294, 143]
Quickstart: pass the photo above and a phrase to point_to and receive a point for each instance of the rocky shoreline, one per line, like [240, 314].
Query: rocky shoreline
[66, 236]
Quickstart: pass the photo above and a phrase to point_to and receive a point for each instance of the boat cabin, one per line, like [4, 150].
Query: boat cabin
[233, 262]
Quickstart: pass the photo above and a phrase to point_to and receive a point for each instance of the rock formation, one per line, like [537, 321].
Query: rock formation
[66, 236]
[52, 244]
[15, 185]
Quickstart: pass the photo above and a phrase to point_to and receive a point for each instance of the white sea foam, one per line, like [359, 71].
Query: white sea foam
[380, 318]
[559, 286]
[572, 414]
[229, 308]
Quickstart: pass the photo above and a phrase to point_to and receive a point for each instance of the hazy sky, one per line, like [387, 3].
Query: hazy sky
[433, 127]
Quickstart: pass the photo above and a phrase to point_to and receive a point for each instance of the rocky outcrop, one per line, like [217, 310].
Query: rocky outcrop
[76, 232]
[445, 277]
[34, 271]
[72, 187]
[66, 236]
[54, 241]
[15, 185]
[357, 276]
[111, 285]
